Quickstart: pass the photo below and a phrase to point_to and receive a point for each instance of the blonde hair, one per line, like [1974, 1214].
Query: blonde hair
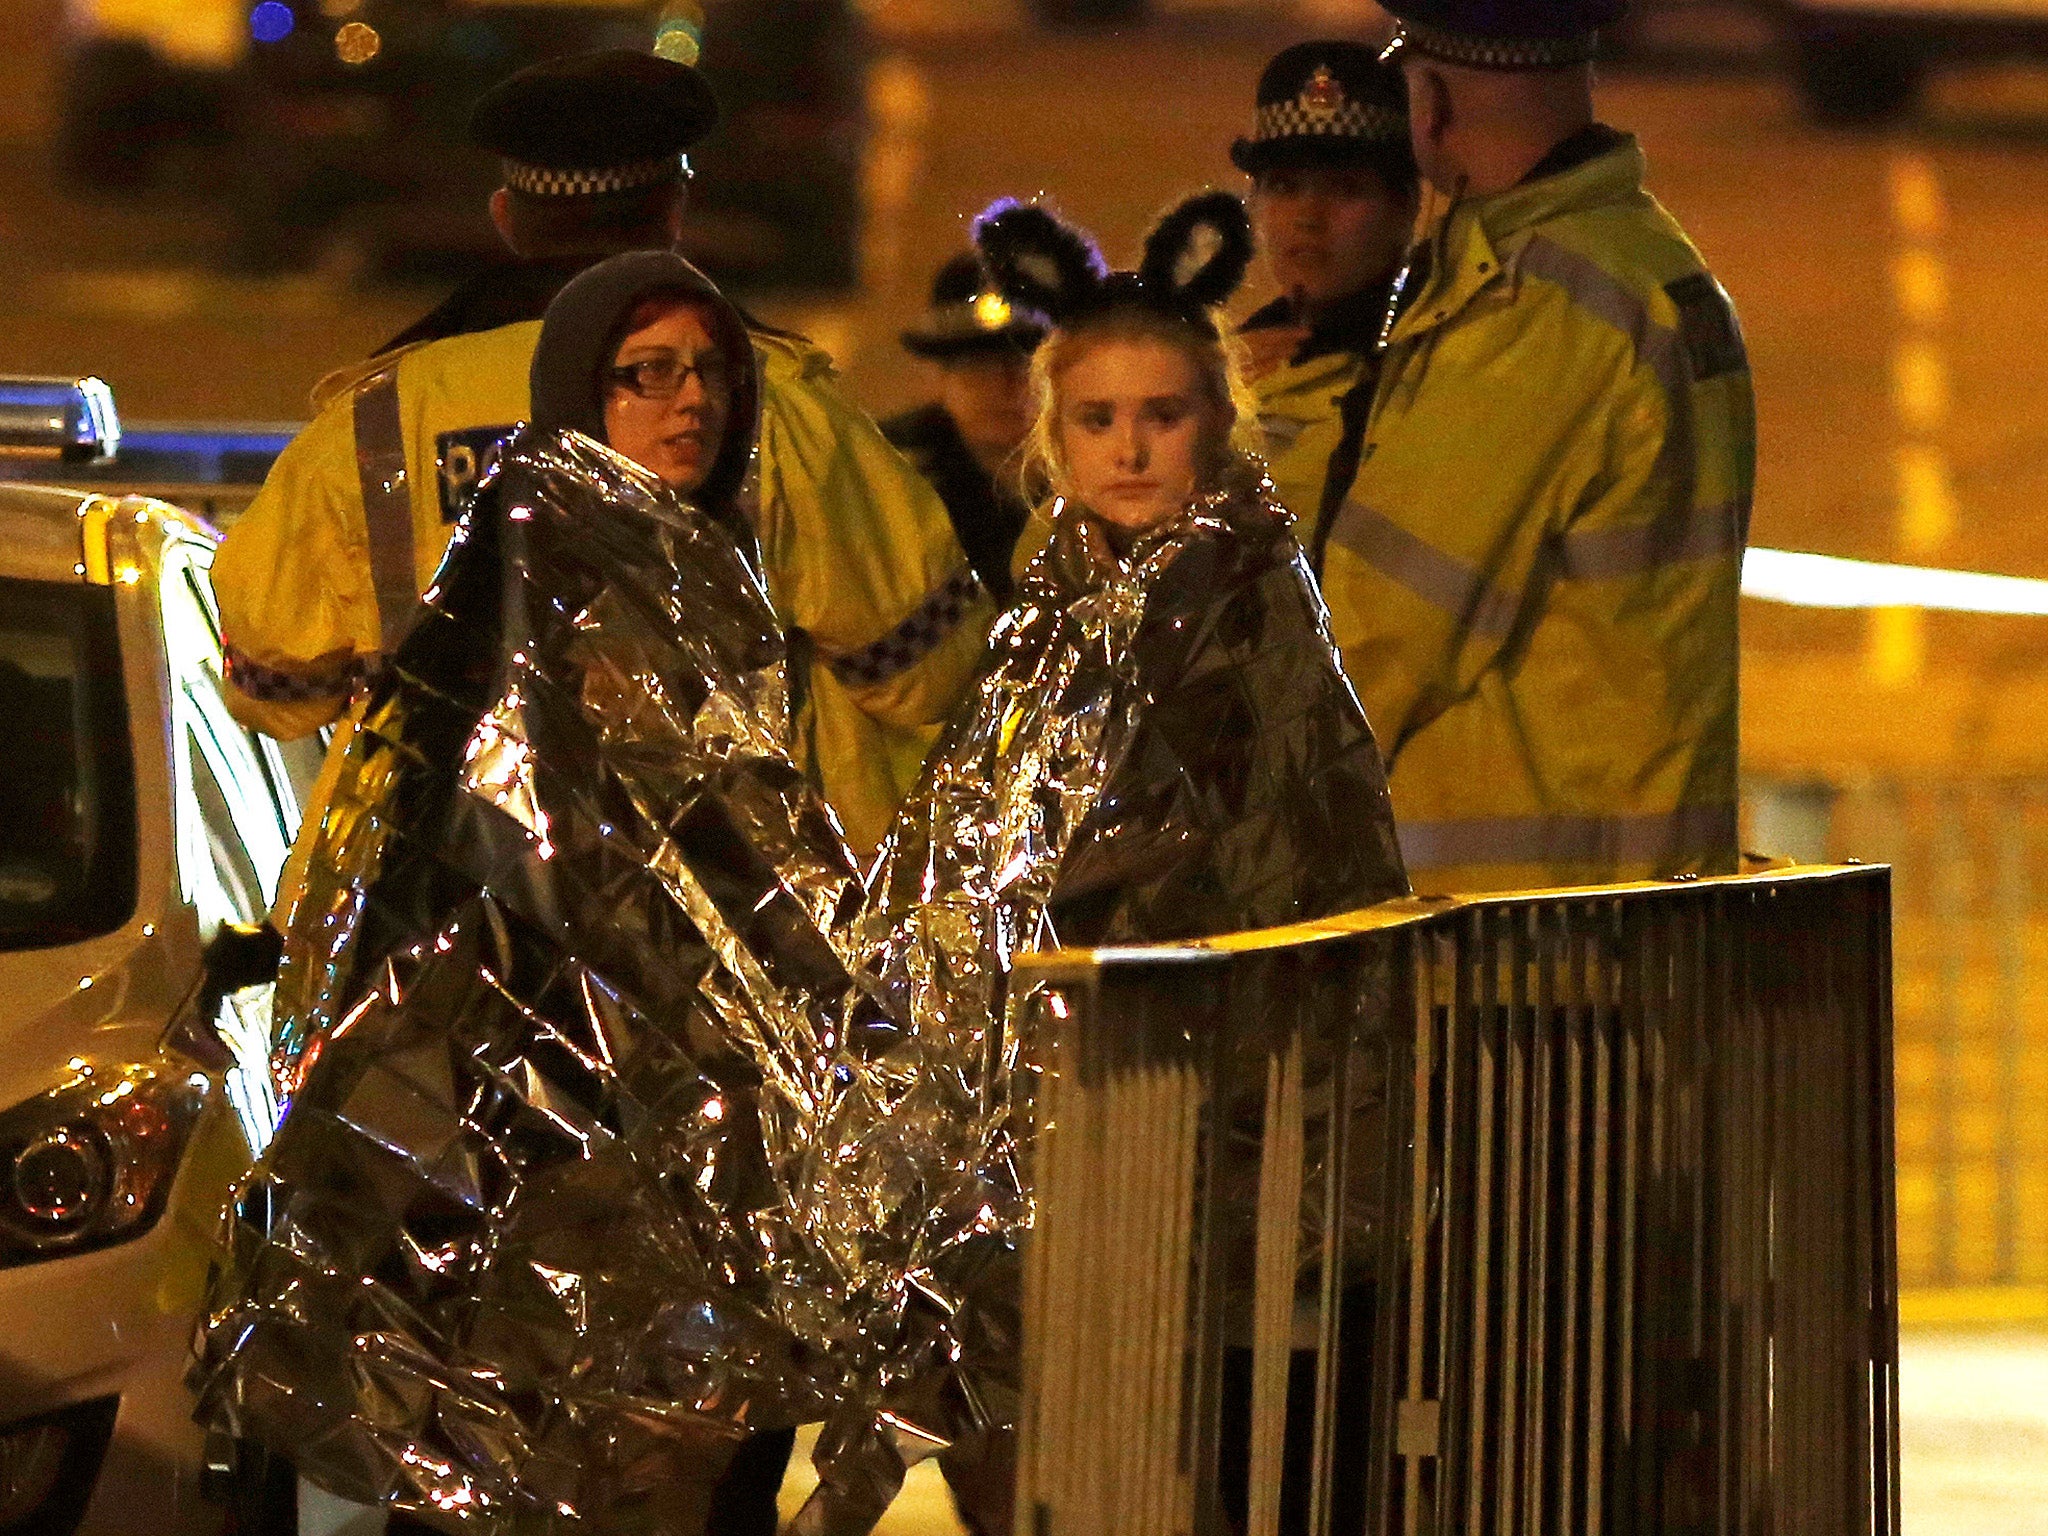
[1218, 360]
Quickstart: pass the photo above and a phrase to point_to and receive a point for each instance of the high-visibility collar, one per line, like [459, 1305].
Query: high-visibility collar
[1479, 228]
[1605, 179]
[1324, 371]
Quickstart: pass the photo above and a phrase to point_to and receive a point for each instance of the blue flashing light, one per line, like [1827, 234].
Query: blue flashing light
[272, 22]
[210, 440]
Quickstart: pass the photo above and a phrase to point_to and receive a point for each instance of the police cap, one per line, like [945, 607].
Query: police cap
[1502, 34]
[594, 123]
[1327, 103]
[969, 317]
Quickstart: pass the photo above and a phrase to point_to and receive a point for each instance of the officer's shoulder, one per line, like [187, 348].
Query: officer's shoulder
[502, 349]
[787, 357]
[1624, 266]
[505, 346]
[1630, 270]
[1633, 242]
[335, 388]
[321, 451]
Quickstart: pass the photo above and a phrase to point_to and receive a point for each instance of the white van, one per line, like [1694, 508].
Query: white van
[136, 819]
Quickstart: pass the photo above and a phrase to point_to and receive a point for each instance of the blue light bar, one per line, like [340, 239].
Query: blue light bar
[73, 419]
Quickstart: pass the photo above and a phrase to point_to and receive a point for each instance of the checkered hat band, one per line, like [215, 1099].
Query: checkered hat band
[551, 181]
[1499, 52]
[272, 685]
[1363, 120]
[915, 638]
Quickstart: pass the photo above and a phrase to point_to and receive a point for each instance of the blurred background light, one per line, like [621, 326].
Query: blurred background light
[272, 22]
[357, 43]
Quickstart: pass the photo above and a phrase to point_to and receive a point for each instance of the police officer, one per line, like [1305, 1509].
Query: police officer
[1333, 204]
[320, 577]
[1534, 578]
[966, 441]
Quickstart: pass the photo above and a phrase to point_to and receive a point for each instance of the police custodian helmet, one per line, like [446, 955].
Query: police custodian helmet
[1329, 103]
[595, 123]
[1502, 34]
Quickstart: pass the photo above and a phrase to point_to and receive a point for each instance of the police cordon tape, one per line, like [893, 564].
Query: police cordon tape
[1827, 581]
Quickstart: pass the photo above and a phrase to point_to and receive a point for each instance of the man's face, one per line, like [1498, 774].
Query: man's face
[667, 395]
[989, 399]
[1329, 231]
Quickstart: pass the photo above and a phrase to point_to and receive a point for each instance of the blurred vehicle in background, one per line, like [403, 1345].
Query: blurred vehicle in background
[1088, 13]
[314, 119]
[136, 819]
[1864, 60]
[778, 191]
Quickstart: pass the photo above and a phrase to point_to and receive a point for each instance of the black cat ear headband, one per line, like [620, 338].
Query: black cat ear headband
[1040, 262]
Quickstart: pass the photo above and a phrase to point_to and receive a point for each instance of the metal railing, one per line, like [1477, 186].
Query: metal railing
[1569, 1212]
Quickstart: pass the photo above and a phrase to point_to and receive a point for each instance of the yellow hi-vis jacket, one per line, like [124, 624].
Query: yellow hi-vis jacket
[1301, 421]
[1534, 579]
[1312, 408]
[322, 573]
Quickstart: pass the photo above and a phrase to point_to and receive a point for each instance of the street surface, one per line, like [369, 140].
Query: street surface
[1893, 285]
[1975, 1437]
[1974, 1443]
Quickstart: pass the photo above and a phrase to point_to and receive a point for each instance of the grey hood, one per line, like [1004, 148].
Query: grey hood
[582, 331]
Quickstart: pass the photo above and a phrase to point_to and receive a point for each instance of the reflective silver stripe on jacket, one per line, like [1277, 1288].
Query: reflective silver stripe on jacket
[1663, 349]
[1664, 840]
[1597, 292]
[1703, 533]
[387, 503]
[915, 638]
[1444, 581]
[1281, 432]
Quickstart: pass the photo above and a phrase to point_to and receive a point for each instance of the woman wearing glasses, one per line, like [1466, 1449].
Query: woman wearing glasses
[664, 397]
[510, 1260]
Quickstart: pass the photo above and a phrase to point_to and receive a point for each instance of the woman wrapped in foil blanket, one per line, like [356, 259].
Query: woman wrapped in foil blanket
[626, 1123]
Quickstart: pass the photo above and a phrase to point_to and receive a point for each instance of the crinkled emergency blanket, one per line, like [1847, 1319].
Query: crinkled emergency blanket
[615, 1126]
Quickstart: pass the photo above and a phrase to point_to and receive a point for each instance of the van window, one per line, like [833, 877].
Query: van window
[67, 789]
[237, 807]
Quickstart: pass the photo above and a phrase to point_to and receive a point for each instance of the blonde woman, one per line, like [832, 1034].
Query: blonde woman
[1161, 745]
[1168, 638]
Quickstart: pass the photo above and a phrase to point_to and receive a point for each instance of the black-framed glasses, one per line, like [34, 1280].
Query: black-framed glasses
[663, 377]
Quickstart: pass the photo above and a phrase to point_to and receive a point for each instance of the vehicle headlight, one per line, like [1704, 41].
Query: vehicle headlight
[91, 1163]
